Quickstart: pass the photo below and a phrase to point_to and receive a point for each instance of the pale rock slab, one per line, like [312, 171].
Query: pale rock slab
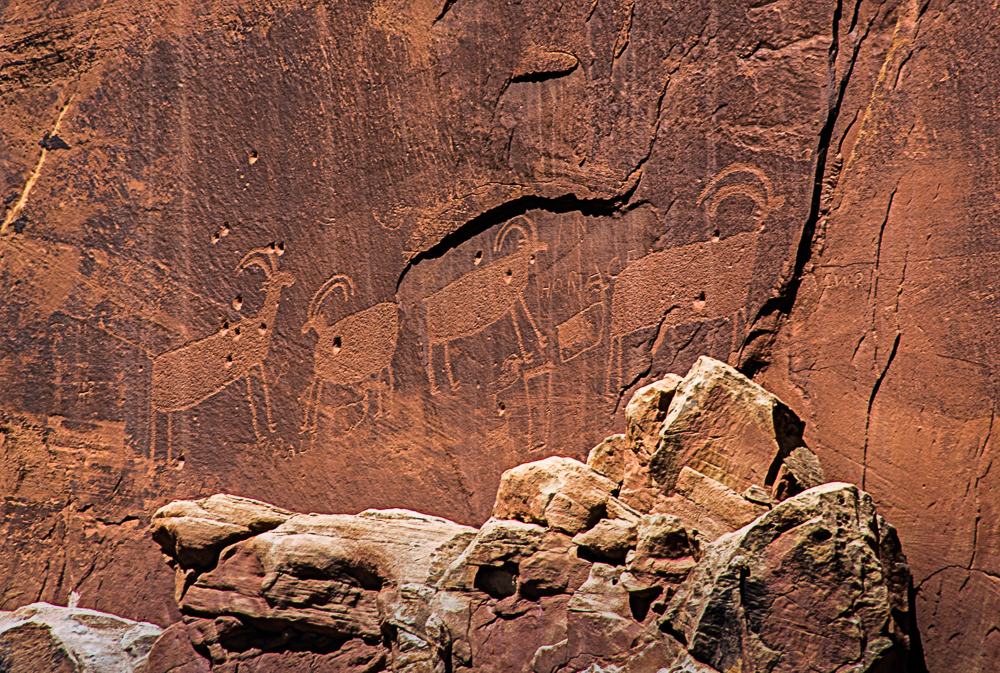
[195, 531]
[43, 638]
[645, 412]
[726, 427]
[561, 493]
[609, 458]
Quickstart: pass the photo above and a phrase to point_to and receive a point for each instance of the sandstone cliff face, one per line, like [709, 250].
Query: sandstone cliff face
[566, 576]
[339, 256]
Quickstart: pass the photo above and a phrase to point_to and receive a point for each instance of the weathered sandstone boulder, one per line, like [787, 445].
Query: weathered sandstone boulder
[194, 532]
[726, 427]
[562, 493]
[43, 638]
[609, 457]
[811, 585]
[645, 412]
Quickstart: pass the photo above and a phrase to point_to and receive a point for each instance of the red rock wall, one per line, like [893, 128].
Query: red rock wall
[477, 228]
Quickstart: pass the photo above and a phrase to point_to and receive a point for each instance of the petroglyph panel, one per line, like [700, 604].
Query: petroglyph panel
[499, 220]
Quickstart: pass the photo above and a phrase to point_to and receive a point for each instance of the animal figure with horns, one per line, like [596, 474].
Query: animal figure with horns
[695, 282]
[187, 376]
[483, 296]
[350, 351]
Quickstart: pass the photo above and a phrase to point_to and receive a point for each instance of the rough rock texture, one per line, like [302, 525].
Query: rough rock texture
[372, 253]
[565, 577]
[821, 558]
[43, 638]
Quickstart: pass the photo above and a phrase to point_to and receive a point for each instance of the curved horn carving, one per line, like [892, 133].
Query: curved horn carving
[530, 233]
[338, 281]
[756, 187]
[252, 259]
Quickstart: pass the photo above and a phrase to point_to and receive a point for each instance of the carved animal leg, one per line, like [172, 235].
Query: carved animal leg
[267, 399]
[527, 397]
[533, 409]
[430, 367]
[379, 394]
[152, 431]
[253, 409]
[310, 407]
[170, 436]
[388, 369]
[525, 356]
[543, 341]
[611, 362]
[447, 365]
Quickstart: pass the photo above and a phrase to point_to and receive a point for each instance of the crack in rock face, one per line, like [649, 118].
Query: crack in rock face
[574, 571]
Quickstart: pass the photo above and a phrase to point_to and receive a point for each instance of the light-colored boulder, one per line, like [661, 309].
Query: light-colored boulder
[706, 506]
[561, 493]
[499, 543]
[552, 571]
[608, 458]
[194, 532]
[721, 502]
[616, 509]
[326, 572]
[253, 514]
[638, 490]
[807, 586]
[399, 545]
[645, 413]
[665, 553]
[599, 615]
[610, 539]
[725, 426]
[761, 496]
[43, 638]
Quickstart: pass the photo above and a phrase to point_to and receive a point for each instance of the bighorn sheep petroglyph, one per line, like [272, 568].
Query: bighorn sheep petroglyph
[351, 350]
[703, 280]
[186, 376]
[483, 296]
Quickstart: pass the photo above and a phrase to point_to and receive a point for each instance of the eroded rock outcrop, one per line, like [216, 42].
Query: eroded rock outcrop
[571, 573]
[43, 638]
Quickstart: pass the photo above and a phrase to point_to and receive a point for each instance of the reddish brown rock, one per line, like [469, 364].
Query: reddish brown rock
[802, 190]
[726, 427]
[805, 585]
[808, 561]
